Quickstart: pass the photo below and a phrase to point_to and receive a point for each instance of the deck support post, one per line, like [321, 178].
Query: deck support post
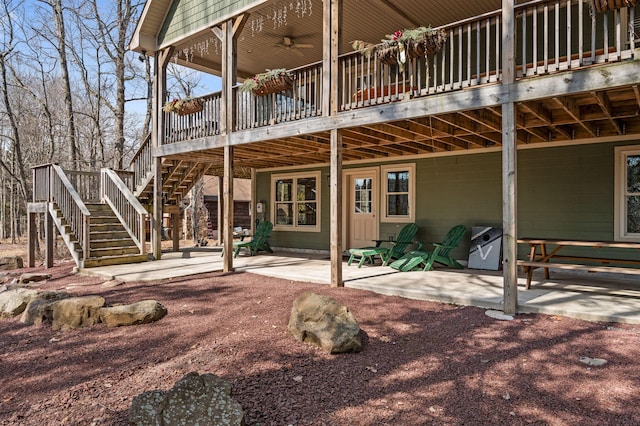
[331, 35]
[219, 223]
[157, 134]
[49, 237]
[32, 239]
[231, 29]
[509, 165]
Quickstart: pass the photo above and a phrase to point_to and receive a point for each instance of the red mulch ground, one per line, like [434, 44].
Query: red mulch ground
[422, 363]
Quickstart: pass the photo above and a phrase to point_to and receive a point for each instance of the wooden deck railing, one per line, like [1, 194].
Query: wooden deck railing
[303, 100]
[141, 163]
[70, 203]
[551, 36]
[41, 183]
[197, 125]
[86, 184]
[127, 208]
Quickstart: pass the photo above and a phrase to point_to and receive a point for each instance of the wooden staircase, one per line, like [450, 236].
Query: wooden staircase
[101, 216]
[109, 241]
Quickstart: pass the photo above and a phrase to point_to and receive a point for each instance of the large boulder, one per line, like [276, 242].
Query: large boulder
[322, 321]
[14, 301]
[29, 277]
[194, 399]
[39, 309]
[10, 262]
[137, 313]
[76, 312]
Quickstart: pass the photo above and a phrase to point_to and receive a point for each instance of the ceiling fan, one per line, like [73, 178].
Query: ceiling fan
[289, 44]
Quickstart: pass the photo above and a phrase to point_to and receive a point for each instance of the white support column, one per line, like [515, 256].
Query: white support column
[509, 165]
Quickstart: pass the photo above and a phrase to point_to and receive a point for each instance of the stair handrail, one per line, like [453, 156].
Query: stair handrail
[141, 162]
[73, 209]
[125, 205]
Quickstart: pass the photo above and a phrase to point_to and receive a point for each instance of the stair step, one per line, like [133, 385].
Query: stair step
[115, 260]
[111, 243]
[108, 235]
[104, 219]
[113, 251]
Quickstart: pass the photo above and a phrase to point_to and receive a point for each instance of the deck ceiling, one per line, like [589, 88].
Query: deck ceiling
[261, 44]
[611, 113]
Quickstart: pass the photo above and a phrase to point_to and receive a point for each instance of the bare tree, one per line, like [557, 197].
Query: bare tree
[61, 48]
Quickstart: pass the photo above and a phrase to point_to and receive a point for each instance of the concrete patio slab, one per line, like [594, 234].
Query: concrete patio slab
[579, 295]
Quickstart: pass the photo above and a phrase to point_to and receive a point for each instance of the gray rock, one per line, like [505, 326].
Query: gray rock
[39, 309]
[76, 312]
[137, 313]
[112, 283]
[14, 301]
[194, 400]
[594, 362]
[322, 321]
[10, 262]
[33, 277]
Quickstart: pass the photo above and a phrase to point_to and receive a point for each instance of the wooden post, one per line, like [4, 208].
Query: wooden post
[230, 31]
[332, 19]
[254, 200]
[509, 161]
[49, 236]
[336, 208]
[220, 211]
[32, 235]
[157, 134]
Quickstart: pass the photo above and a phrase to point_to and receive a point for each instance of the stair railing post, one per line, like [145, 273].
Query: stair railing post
[86, 243]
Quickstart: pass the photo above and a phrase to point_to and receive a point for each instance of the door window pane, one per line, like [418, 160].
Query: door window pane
[363, 195]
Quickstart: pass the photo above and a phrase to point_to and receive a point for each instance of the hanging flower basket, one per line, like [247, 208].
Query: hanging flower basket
[606, 5]
[425, 41]
[266, 83]
[184, 106]
[415, 43]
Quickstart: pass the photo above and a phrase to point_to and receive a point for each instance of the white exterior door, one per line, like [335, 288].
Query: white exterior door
[361, 220]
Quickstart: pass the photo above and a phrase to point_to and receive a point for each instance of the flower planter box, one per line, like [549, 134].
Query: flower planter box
[184, 106]
[275, 85]
[191, 107]
[606, 5]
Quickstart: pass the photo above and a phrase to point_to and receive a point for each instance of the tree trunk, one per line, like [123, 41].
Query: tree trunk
[56, 5]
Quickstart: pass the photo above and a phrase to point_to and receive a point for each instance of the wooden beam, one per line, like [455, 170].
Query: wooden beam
[573, 109]
[509, 164]
[605, 104]
[336, 208]
[32, 235]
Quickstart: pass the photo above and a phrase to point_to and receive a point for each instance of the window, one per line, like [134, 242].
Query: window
[627, 208]
[296, 202]
[398, 193]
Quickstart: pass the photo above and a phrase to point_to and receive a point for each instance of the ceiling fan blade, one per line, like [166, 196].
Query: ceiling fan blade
[303, 45]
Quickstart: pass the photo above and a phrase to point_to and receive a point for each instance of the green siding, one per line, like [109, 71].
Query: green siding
[186, 16]
[563, 192]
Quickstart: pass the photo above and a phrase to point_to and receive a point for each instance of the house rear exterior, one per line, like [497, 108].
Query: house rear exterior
[526, 118]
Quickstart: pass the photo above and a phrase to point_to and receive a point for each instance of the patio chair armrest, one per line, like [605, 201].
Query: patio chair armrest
[443, 245]
[378, 242]
[420, 245]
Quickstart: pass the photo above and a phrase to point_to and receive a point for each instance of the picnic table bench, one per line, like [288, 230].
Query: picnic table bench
[541, 257]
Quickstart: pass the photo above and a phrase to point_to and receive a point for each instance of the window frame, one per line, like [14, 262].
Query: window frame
[295, 227]
[620, 193]
[384, 192]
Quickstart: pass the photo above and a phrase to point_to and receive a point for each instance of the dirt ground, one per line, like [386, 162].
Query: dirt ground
[422, 363]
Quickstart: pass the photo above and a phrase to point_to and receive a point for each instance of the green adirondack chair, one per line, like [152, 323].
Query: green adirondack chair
[440, 254]
[258, 242]
[399, 246]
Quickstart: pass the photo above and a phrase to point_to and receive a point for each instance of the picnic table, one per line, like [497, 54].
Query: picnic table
[546, 252]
